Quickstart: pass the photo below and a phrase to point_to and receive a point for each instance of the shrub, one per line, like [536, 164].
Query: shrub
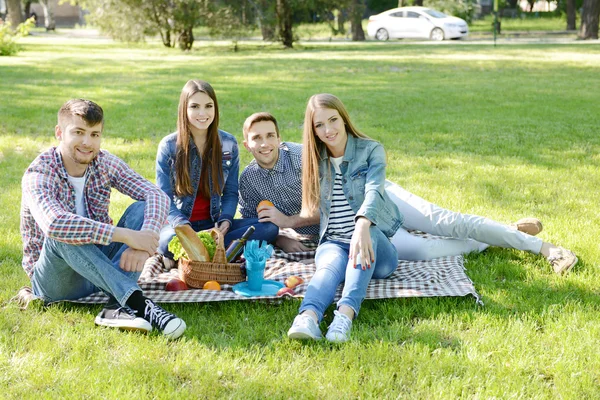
[459, 8]
[8, 37]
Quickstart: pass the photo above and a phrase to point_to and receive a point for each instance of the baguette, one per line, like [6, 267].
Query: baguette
[191, 243]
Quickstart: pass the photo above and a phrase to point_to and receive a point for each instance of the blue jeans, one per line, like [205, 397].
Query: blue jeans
[334, 267]
[67, 272]
[266, 231]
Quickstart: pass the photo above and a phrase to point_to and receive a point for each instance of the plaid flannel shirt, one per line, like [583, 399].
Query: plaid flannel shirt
[48, 203]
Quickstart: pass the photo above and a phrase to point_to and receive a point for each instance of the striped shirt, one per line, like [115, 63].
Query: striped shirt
[341, 216]
[48, 206]
[282, 185]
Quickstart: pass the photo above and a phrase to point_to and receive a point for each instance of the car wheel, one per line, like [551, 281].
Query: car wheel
[437, 34]
[382, 34]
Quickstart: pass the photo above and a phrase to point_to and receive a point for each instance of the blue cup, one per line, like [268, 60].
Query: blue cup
[256, 274]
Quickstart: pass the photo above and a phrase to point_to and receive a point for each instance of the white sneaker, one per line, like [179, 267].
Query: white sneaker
[304, 327]
[339, 330]
[562, 260]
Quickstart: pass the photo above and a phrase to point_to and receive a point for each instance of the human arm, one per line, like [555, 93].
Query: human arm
[165, 179]
[124, 179]
[51, 204]
[272, 214]
[361, 244]
[249, 196]
[374, 186]
[229, 198]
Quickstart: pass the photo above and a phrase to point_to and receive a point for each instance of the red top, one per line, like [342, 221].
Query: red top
[201, 210]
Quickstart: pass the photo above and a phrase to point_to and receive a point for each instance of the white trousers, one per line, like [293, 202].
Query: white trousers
[461, 233]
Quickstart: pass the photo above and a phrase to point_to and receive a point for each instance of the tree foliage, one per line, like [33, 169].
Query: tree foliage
[133, 20]
[9, 38]
[464, 9]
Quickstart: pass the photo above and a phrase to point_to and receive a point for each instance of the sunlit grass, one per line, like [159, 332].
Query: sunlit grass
[504, 132]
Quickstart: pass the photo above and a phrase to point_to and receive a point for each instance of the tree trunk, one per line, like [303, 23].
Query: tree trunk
[15, 15]
[284, 18]
[571, 15]
[186, 39]
[589, 19]
[418, 3]
[49, 21]
[357, 9]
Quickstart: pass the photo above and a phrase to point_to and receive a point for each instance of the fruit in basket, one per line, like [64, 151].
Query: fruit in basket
[175, 285]
[293, 281]
[264, 203]
[211, 285]
[285, 291]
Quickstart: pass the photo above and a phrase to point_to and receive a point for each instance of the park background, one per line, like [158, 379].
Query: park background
[505, 131]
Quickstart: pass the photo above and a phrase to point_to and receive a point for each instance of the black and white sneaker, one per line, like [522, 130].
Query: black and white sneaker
[169, 324]
[116, 316]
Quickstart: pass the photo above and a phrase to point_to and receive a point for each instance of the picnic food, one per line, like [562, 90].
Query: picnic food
[293, 281]
[285, 291]
[264, 203]
[211, 285]
[175, 285]
[205, 239]
[191, 243]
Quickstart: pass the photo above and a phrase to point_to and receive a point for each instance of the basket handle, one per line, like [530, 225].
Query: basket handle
[219, 256]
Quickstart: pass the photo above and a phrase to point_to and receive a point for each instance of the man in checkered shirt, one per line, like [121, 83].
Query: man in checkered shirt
[70, 247]
[275, 175]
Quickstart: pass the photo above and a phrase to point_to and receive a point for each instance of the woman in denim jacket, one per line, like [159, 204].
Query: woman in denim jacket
[197, 167]
[343, 178]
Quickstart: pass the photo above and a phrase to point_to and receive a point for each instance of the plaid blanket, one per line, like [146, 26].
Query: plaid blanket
[439, 277]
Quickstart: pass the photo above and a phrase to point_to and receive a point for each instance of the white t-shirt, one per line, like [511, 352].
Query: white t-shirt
[79, 184]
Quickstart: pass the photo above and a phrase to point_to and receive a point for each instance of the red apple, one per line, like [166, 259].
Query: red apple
[293, 281]
[285, 291]
[175, 285]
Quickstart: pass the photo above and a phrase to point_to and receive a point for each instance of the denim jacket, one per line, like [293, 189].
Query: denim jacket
[363, 183]
[222, 207]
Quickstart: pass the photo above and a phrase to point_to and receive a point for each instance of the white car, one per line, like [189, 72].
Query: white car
[416, 22]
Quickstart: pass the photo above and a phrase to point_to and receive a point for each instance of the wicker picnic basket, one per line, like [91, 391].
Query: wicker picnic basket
[196, 273]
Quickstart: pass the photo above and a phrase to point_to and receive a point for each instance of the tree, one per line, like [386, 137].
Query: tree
[571, 15]
[284, 19]
[49, 21]
[589, 19]
[230, 23]
[15, 14]
[133, 20]
[357, 9]
[266, 17]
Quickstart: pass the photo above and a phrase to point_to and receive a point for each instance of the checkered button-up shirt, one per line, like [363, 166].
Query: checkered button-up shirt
[282, 185]
[48, 203]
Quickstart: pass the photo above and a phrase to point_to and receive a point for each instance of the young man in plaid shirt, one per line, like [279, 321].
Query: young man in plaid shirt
[70, 247]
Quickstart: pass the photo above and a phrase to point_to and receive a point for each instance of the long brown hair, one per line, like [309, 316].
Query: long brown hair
[211, 156]
[313, 146]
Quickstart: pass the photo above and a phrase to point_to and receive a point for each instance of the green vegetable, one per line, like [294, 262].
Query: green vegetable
[208, 242]
[178, 252]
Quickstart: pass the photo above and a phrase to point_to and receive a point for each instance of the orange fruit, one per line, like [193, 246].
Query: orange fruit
[264, 203]
[211, 285]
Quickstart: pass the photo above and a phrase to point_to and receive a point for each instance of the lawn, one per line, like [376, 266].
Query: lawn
[504, 132]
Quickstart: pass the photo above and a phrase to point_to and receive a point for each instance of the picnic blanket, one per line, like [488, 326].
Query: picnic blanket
[443, 276]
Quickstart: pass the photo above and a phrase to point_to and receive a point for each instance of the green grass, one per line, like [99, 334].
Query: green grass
[529, 24]
[503, 132]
